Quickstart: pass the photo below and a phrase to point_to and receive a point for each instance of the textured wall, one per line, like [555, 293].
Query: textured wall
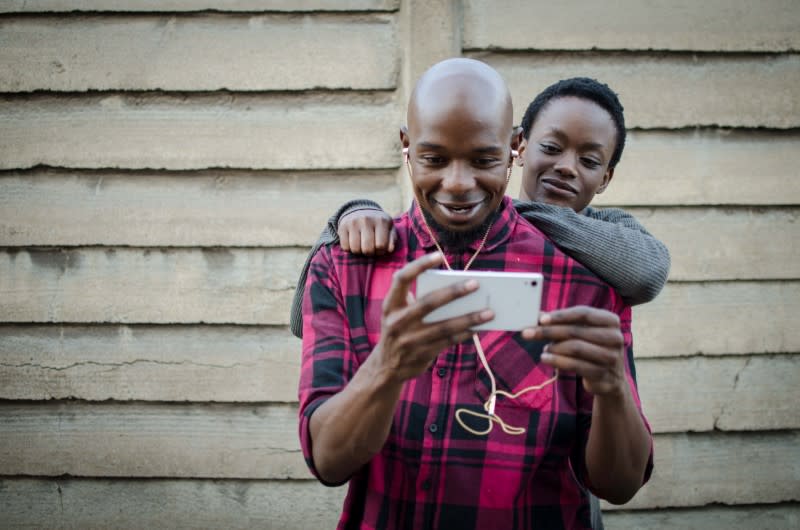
[164, 166]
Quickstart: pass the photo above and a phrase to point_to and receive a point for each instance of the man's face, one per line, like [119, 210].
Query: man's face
[459, 155]
[566, 155]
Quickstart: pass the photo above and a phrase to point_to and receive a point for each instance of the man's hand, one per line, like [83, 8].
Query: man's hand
[408, 346]
[586, 341]
[370, 232]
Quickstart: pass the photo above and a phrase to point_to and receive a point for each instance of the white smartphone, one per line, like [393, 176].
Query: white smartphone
[515, 297]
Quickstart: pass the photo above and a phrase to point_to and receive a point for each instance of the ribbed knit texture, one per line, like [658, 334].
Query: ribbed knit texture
[609, 241]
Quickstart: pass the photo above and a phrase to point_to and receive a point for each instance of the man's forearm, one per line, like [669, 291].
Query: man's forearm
[352, 426]
[618, 448]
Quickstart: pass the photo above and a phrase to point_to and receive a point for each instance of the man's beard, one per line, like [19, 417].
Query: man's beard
[457, 242]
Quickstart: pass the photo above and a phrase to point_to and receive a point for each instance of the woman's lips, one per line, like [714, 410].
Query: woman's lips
[558, 187]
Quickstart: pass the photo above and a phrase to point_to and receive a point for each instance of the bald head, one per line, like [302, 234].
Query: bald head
[460, 141]
[458, 84]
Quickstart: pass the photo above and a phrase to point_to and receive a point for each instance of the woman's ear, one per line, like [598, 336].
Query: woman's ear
[606, 180]
[516, 140]
[522, 146]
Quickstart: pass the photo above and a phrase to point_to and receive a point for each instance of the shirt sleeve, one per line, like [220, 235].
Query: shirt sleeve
[328, 361]
[610, 242]
[329, 235]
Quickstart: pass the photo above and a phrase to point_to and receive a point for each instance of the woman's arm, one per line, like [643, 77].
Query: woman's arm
[328, 236]
[608, 241]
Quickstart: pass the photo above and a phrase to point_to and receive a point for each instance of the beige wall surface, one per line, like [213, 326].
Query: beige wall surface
[165, 167]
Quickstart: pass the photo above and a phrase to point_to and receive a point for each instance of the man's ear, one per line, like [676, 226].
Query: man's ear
[606, 180]
[404, 136]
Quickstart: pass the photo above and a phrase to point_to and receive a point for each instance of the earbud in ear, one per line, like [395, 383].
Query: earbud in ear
[514, 153]
[405, 154]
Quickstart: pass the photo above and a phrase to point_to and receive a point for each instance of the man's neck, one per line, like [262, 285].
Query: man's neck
[457, 243]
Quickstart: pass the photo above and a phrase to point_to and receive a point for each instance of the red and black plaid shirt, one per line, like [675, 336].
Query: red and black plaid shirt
[432, 473]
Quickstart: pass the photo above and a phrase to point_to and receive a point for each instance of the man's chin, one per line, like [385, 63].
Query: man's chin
[456, 237]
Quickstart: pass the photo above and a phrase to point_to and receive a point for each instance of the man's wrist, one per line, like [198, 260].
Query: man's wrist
[378, 376]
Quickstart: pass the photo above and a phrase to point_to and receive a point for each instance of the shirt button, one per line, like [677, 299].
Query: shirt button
[441, 372]
[426, 485]
[433, 427]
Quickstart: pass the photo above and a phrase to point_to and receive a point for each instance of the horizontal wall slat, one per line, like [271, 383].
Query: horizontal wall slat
[722, 25]
[237, 130]
[252, 364]
[25, 6]
[670, 91]
[701, 167]
[254, 286]
[208, 52]
[78, 504]
[222, 441]
[700, 469]
[722, 393]
[108, 208]
[244, 504]
[775, 517]
[152, 440]
[149, 363]
[706, 167]
[243, 286]
[719, 318]
[212, 208]
[727, 243]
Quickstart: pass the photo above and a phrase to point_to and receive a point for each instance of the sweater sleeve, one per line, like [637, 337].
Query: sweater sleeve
[328, 236]
[610, 242]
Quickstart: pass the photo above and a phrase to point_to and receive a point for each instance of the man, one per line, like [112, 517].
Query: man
[381, 391]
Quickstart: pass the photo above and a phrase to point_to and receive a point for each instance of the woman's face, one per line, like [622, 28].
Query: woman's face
[565, 157]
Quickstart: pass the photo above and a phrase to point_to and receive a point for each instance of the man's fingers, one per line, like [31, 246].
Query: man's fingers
[580, 367]
[604, 336]
[581, 315]
[442, 296]
[402, 279]
[430, 339]
[587, 351]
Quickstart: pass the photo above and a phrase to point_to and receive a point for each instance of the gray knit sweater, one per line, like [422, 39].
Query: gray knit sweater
[608, 241]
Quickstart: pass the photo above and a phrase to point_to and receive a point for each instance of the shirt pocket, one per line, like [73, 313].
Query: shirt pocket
[524, 385]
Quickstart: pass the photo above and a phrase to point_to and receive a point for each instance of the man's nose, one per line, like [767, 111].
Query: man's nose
[459, 177]
[567, 164]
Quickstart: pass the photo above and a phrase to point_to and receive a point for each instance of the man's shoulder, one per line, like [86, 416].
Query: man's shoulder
[562, 272]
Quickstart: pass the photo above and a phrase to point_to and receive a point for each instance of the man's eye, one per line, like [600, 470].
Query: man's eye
[549, 149]
[590, 163]
[485, 161]
[432, 160]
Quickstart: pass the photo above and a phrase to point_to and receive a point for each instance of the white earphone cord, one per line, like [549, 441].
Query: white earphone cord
[489, 404]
